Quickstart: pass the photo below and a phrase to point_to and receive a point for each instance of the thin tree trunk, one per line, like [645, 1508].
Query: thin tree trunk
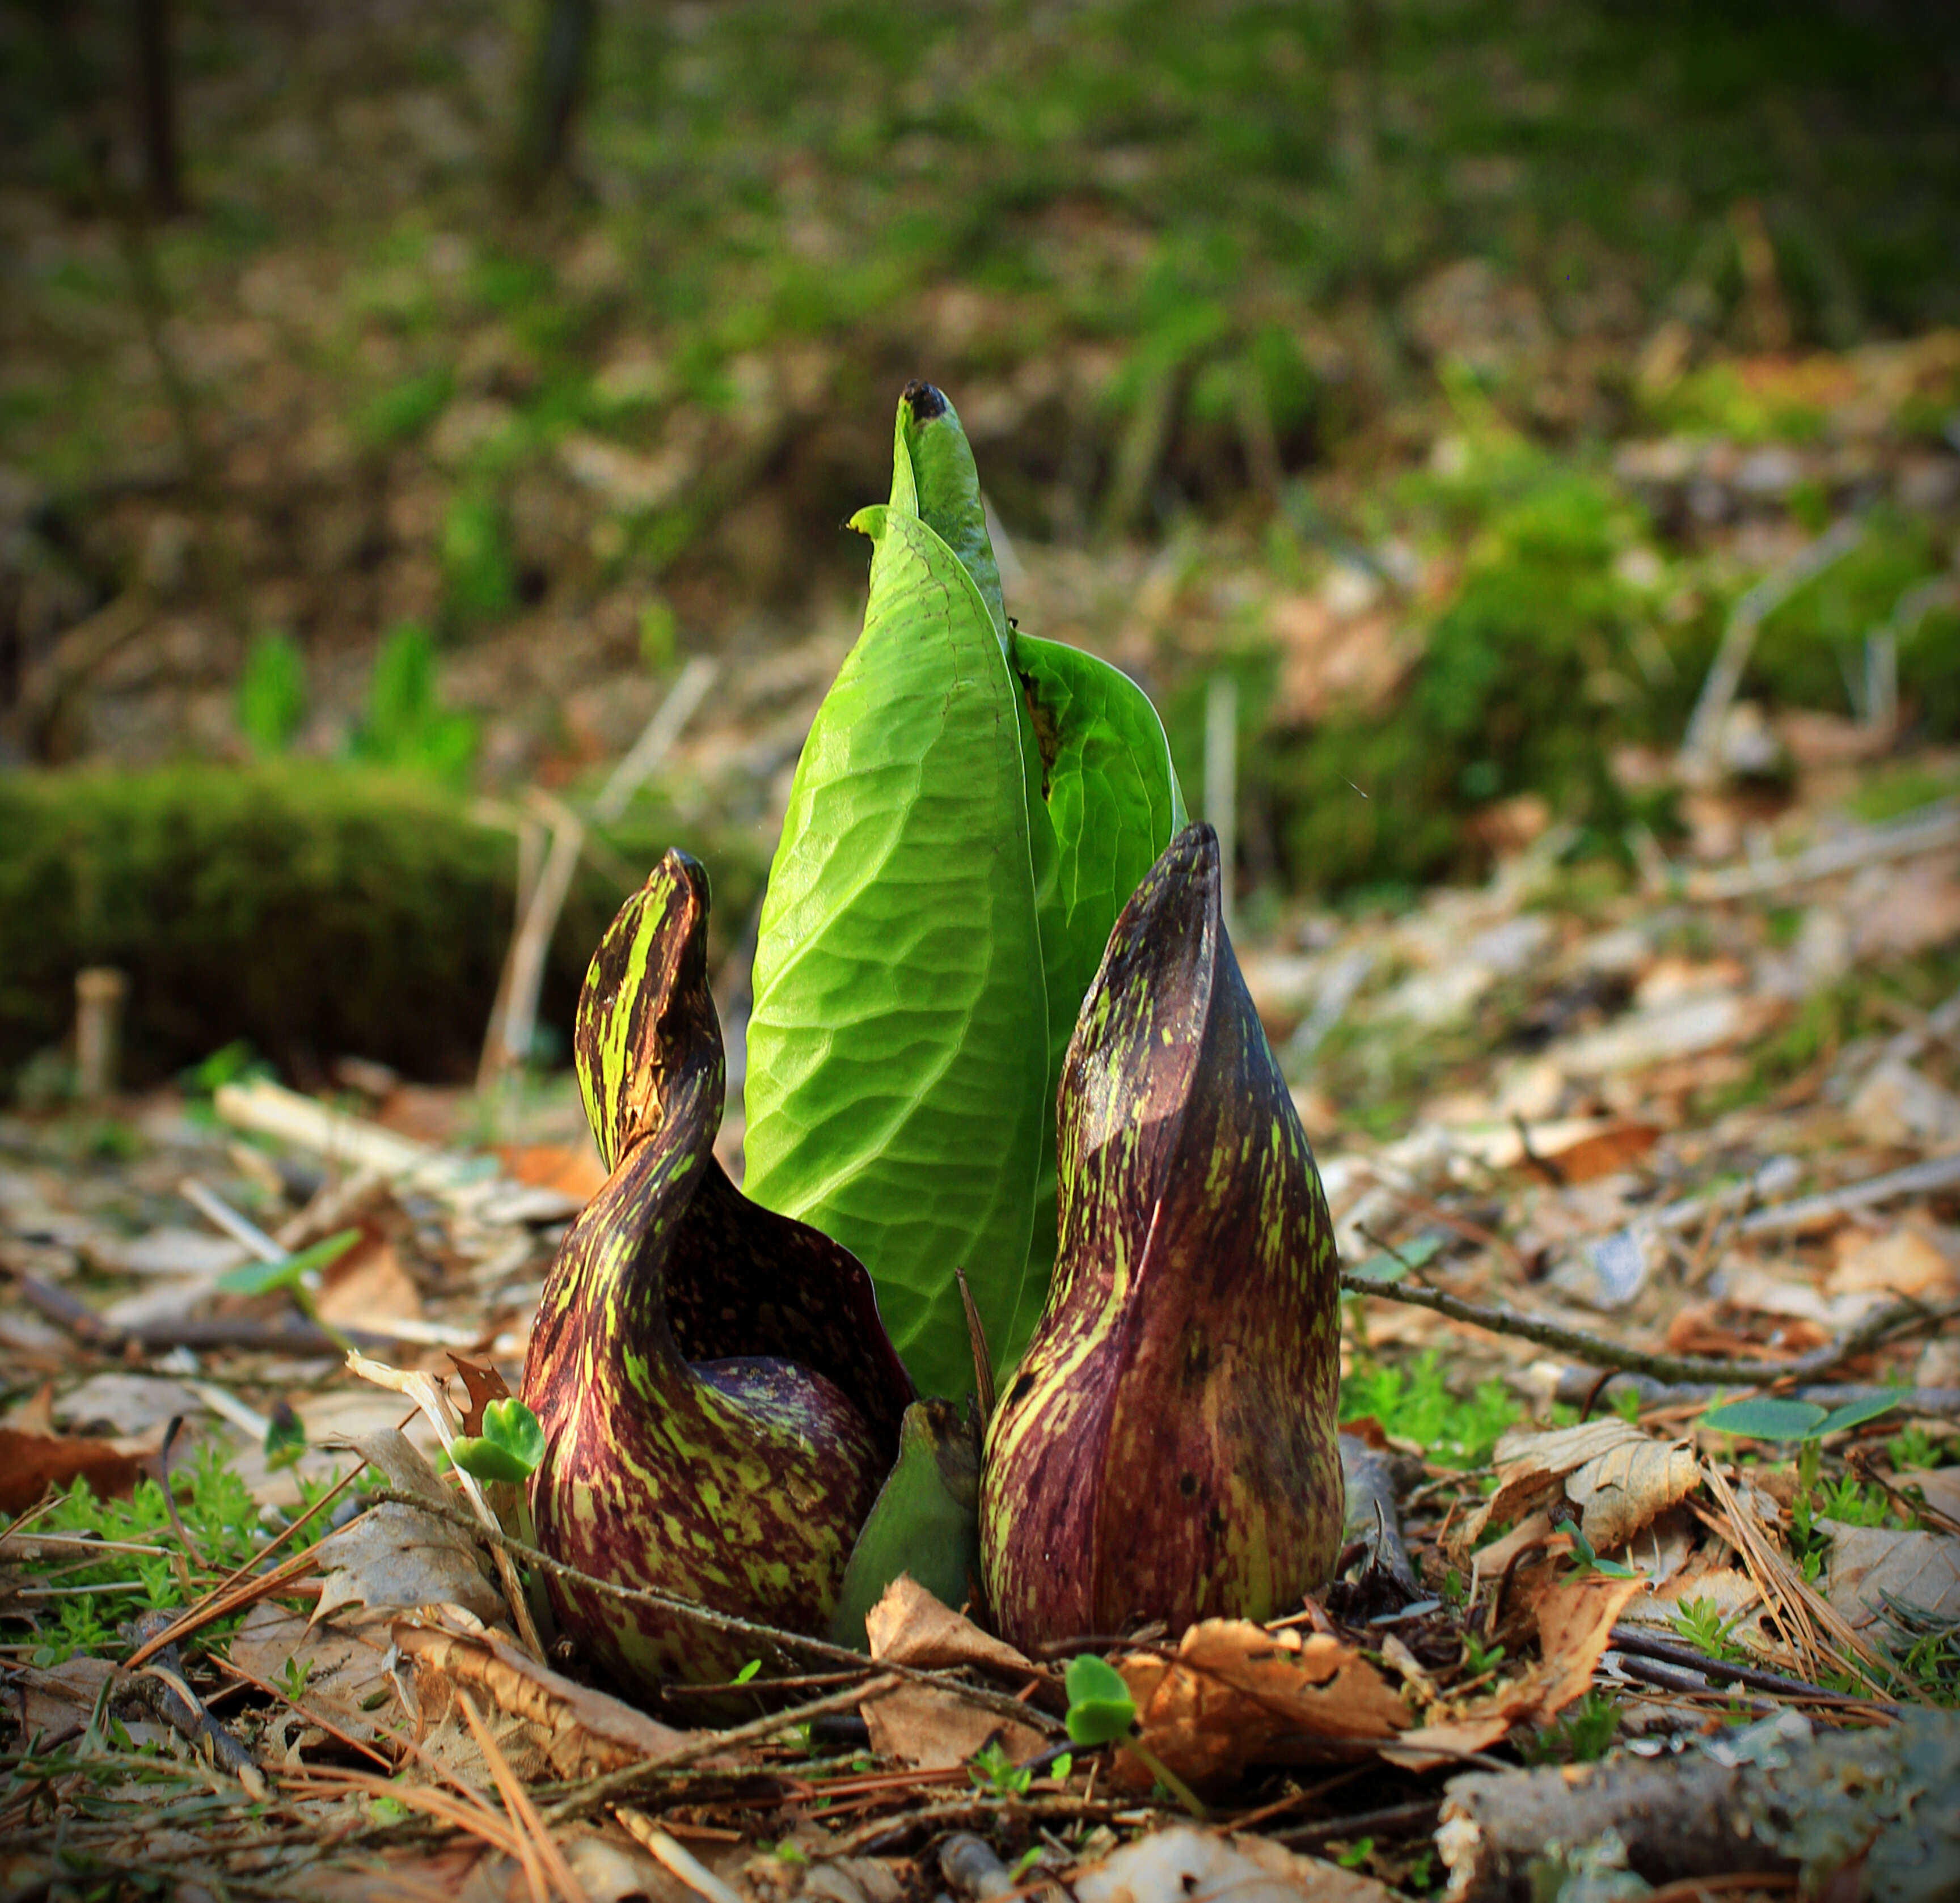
[560, 69]
[157, 110]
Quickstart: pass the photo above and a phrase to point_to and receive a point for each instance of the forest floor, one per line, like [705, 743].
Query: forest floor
[1531, 432]
[1664, 1143]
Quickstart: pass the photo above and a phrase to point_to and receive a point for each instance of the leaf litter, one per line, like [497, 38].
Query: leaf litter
[1725, 1196]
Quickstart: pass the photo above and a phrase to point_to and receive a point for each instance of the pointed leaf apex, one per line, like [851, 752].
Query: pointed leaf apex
[650, 959]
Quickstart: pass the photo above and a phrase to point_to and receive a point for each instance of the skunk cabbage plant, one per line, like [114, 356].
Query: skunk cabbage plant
[1167, 1449]
[719, 1401]
[972, 809]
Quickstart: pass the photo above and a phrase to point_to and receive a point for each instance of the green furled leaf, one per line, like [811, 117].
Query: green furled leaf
[262, 1279]
[897, 1048]
[1101, 772]
[1766, 1418]
[1100, 1708]
[1854, 1414]
[926, 1522]
[510, 1447]
[933, 478]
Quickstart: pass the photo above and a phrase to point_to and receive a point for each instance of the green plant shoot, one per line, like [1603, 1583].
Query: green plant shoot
[970, 812]
[510, 1447]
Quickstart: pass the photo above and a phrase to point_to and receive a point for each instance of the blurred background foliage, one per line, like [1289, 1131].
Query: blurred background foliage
[393, 399]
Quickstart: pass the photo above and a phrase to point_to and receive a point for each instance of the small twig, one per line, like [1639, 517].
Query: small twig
[209, 1607]
[597, 1793]
[1626, 1639]
[1931, 1178]
[1411, 1820]
[927, 1816]
[302, 1342]
[312, 1717]
[752, 1631]
[1876, 1328]
[1544, 1165]
[170, 1499]
[1470, 1231]
[1684, 1681]
[1387, 1248]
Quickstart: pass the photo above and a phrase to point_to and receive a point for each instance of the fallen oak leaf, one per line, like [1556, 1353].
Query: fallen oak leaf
[31, 1463]
[578, 1730]
[1575, 1618]
[395, 1556]
[484, 1384]
[921, 1724]
[1235, 1694]
[909, 1626]
[1619, 1477]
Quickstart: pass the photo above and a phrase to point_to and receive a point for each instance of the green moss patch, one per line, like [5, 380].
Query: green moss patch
[314, 911]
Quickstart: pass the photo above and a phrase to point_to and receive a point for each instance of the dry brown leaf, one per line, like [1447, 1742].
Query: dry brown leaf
[1575, 1617]
[1490, 1562]
[1448, 1740]
[1939, 1487]
[1619, 1477]
[909, 1626]
[345, 1663]
[1628, 1487]
[63, 1697]
[1185, 1865]
[395, 1557]
[1235, 1693]
[1697, 1329]
[1901, 1262]
[576, 1729]
[31, 1463]
[575, 1173]
[1605, 1152]
[932, 1730]
[36, 1414]
[1532, 1466]
[1869, 1565]
[369, 1284]
[485, 1385]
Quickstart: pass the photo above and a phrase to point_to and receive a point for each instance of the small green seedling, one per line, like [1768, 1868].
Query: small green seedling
[749, 1671]
[289, 1272]
[509, 1448]
[1699, 1622]
[1769, 1418]
[293, 1679]
[993, 1770]
[1100, 1709]
[1102, 1712]
[1766, 1417]
[1588, 1559]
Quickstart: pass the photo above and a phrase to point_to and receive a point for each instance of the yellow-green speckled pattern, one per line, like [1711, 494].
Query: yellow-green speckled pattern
[719, 1399]
[1167, 1449]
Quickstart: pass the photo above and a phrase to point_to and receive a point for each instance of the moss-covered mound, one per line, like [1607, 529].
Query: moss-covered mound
[315, 911]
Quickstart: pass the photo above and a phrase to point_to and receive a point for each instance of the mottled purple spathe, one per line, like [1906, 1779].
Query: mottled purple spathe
[719, 1399]
[1167, 1449]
